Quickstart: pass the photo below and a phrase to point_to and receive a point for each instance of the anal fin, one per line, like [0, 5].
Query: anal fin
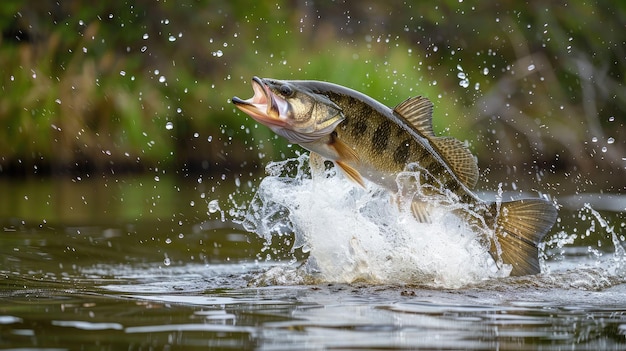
[421, 211]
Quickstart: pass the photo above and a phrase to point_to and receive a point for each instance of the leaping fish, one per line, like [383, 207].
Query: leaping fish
[368, 140]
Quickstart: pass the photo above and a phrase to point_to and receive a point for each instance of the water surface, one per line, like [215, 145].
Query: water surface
[153, 264]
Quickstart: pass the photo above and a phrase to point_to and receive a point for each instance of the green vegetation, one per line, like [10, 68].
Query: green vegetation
[145, 85]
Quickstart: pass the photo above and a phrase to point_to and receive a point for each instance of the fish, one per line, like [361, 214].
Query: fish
[368, 140]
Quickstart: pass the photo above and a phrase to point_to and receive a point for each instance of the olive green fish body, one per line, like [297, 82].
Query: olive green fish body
[367, 139]
[385, 143]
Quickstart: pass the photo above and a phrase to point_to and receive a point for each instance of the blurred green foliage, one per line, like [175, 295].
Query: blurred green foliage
[147, 84]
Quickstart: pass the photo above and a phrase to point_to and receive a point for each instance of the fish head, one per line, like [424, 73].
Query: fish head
[291, 110]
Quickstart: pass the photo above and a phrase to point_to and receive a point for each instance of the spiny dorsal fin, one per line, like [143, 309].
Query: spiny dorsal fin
[418, 111]
[459, 158]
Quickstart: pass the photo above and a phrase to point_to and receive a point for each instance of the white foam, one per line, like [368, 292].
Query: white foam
[355, 234]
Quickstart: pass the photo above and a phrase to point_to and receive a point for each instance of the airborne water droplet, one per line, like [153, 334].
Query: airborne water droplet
[214, 206]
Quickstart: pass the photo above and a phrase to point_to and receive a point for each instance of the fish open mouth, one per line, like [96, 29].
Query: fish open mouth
[265, 107]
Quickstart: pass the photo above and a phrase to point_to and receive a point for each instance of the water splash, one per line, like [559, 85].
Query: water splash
[350, 234]
[353, 234]
[569, 261]
[618, 266]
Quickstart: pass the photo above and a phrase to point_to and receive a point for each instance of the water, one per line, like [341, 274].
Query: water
[110, 263]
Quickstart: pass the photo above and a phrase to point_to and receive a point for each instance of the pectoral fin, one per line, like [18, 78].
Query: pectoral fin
[351, 173]
[344, 152]
[345, 155]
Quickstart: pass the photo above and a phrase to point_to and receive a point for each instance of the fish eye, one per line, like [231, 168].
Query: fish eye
[286, 90]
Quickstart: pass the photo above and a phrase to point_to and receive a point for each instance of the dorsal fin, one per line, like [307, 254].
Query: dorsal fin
[418, 111]
[459, 158]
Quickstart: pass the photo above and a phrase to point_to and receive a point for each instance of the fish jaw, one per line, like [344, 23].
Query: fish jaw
[289, 117]
[264, 107]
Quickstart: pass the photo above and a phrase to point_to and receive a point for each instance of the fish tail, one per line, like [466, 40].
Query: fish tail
[520, 226]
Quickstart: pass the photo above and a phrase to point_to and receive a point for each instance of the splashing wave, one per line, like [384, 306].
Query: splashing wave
[353, 234]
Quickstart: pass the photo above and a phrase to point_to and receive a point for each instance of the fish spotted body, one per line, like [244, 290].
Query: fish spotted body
[367, 139]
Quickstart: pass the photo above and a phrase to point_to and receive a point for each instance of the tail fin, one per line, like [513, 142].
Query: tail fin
[520, 225]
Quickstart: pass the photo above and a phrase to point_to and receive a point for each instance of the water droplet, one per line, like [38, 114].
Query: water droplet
[610, 140]
[214, 206]
[611, 119]
[594, 139]
[604, 149]
[156, 178]
[162, 79]
[531, 67]
[144, 48]
[218, 53]
[171, 38]
[464, 83]
[167, 261]
[485, 71]
[168, 241]
[122, 73]
[169, 125]
[145, 36]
